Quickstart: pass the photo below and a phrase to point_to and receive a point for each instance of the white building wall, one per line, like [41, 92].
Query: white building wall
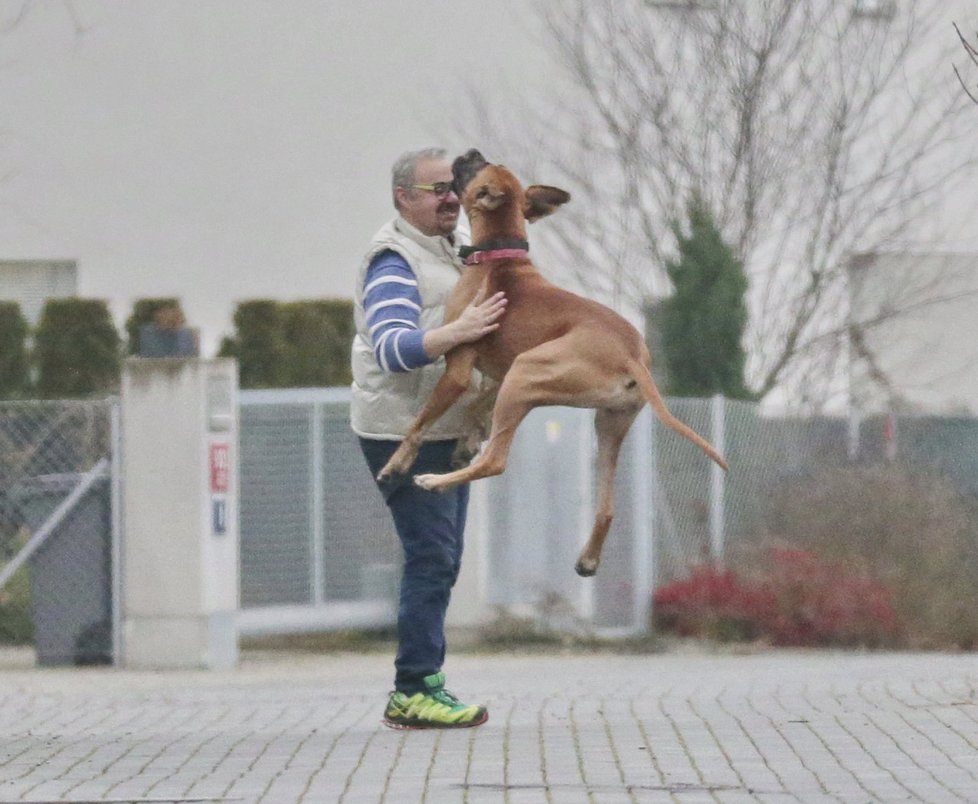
[31, 282]
[915, 347]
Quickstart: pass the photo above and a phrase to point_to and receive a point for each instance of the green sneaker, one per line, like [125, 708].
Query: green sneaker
[435, 709]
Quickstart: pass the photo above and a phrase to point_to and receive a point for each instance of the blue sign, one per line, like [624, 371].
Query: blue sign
[220, 515]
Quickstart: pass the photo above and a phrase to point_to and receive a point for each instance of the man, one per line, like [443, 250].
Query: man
[401, 289]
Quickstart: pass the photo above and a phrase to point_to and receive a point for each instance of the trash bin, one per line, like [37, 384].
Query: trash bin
[70, 574]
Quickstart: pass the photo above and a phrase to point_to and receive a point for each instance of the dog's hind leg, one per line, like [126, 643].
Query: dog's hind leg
[612, 427]
[478, 419]
[512, 405]
[453, 383]
[492, 461]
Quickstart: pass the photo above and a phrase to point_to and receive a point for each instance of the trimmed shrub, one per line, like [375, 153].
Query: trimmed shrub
[14, 362]
[319, 333]
[144, 312]
[292, 345]
[259, 345]
[76, 349]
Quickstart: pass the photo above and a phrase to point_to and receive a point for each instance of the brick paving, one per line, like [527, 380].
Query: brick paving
[601, 729]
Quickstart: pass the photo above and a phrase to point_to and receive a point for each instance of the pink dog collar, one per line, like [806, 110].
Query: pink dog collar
[496, 254]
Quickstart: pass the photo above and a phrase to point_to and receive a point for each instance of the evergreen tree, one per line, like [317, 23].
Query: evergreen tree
[702, 324]
[76, 349]
[14, 366]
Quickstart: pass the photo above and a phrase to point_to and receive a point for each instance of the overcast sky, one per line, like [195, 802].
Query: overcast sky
[230, 149]
[236, 149]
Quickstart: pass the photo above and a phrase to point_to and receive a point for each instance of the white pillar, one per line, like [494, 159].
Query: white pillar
[643, 550]
[179, 513]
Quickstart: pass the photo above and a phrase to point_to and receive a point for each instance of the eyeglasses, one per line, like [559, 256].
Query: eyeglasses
[438, 188]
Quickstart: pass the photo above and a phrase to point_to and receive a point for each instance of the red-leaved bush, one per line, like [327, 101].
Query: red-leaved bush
[710, 603]
[787, 597]
[909, 528]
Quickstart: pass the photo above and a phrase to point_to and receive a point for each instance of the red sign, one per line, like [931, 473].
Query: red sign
[220, 468]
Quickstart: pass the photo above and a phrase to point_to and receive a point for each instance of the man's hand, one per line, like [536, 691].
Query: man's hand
[477, 320]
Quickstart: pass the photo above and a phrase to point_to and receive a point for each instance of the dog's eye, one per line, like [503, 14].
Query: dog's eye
[483, 191]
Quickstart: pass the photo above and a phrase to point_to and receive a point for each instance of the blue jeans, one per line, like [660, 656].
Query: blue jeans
[430, 525]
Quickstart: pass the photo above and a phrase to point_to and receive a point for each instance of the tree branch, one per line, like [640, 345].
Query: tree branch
[972, 54]
[811, 133]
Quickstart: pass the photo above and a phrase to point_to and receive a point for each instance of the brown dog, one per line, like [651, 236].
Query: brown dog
[551, 347]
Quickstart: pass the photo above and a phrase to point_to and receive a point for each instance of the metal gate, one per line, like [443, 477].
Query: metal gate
[318, 549]
[59, 534]
[542, 510]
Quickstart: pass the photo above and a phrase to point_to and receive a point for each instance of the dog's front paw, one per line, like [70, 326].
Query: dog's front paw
[398, 464]
[429, 482]
[387, 473]
[586, 567]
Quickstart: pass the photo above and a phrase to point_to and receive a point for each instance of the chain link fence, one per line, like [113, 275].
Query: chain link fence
[316, 536]
[769, 452]
[318, 548]
[698, 520]
[317, 545]
[56, 579]
[540, 512]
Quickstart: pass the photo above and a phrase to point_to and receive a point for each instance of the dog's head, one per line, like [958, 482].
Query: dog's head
[492, 190]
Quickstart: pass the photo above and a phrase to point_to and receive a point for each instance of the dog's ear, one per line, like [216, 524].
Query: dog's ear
[489, 197]
[542, 200]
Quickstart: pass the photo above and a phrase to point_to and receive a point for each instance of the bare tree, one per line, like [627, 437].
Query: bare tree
[14, 12]
[973, 55]
[813, 129]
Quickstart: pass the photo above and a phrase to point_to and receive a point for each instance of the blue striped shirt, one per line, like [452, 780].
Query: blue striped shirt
[392, 307]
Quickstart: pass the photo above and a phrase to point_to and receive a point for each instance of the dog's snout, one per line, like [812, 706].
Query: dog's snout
[472, 158]
[465, 167]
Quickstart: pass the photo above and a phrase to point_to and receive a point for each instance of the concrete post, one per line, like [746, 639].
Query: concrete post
[179, 513]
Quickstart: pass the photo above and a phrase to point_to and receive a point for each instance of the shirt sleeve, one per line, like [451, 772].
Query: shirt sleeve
[392, 306]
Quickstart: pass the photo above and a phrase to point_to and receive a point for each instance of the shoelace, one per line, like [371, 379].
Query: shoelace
[445, 697]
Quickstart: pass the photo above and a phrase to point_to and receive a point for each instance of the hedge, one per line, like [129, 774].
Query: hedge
[14, 361]
[76, 349]
[292, 345]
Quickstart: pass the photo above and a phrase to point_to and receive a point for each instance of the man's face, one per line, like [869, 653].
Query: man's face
[430, 212]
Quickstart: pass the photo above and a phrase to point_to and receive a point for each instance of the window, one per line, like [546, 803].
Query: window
[31, 282]
[683, 5]
[881, 10]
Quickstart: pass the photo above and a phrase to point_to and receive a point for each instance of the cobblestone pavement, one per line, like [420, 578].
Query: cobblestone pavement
[770, 727]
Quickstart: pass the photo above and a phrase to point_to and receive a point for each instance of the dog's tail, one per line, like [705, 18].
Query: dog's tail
[644, 379]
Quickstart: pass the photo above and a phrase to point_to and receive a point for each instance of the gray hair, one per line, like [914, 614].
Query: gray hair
[402, 174]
